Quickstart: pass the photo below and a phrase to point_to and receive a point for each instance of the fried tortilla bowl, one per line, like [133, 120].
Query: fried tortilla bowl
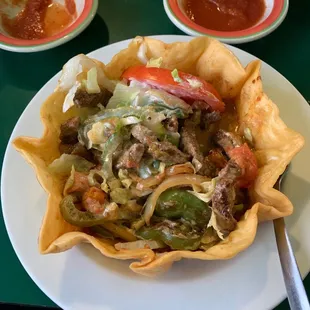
[275, 145]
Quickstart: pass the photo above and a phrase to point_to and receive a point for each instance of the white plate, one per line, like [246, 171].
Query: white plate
[82, 279]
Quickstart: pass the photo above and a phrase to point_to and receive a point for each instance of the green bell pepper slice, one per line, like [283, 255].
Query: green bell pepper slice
[178, 203]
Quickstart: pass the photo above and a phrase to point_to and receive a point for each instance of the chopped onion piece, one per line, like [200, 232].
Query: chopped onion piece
[92, 86]
[155, 62]
[176, 77]
[248, 135]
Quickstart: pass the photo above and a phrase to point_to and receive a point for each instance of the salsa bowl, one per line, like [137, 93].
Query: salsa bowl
[37, 25]
[274, 14]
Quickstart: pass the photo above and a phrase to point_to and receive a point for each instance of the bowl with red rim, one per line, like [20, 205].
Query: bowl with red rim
[37, 25]
[273, 15]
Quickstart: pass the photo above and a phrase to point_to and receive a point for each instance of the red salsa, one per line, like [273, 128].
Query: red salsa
[225, 15]
[40, 19]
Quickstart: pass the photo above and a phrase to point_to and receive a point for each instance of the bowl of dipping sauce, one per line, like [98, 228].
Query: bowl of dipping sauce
[37, 25]
[229, 21]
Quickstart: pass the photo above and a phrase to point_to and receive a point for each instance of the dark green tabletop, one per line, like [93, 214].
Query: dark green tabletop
[21, 75]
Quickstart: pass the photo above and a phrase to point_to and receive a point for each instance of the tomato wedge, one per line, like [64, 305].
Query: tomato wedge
[246, 160]
[185, 85]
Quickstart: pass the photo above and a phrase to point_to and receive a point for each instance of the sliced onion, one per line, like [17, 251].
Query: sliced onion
[186, 168]
[213, 223]
[139, 244]
[152, 181]
[183, 179]
[137, 193]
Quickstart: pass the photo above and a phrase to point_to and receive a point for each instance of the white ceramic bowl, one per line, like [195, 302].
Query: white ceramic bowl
[85, 12]
[274, 15]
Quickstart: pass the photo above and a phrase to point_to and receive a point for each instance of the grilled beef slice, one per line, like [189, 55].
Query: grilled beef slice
[163, 151]
[131, 157]
[69, 131]
[223, 198]
[191, 146]
[85, 100]
[227, 140]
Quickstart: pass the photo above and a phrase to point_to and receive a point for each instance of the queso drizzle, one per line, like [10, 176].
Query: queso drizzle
[225, 15]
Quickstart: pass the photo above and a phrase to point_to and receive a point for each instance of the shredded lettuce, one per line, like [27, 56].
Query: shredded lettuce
[120, 195]
[73, 73]
[123, 96]
[96, 177]
[176, 77]
[124, 178]
[114, 183]
[164, 99]
[152, 120]
[140, 97]
[155, 62]
[140, 85]
[63, 164]
[130, 120]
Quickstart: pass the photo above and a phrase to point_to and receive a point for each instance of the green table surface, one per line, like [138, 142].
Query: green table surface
[21, 75]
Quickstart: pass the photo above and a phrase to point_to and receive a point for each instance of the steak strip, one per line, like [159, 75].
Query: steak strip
[163, 151]
[227, 140]
[190, 145]
[69, 130]
[223, 198]
[131, 157]
[85, 100]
